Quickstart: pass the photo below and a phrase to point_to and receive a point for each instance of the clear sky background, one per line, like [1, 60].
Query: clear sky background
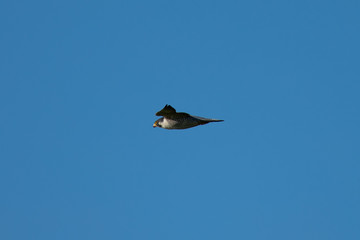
[80, 82]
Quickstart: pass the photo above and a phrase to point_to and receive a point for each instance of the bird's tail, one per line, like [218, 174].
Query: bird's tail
[207, 120]
[214, 120]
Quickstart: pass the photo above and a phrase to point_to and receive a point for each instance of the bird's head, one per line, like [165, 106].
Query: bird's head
[157, 123]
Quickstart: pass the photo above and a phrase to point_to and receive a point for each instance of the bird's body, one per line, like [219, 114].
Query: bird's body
[174, 120]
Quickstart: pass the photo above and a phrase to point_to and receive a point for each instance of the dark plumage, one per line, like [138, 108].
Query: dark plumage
[174, 120]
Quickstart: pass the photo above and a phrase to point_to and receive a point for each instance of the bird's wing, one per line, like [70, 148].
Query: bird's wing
[167, 110]
[178, 116]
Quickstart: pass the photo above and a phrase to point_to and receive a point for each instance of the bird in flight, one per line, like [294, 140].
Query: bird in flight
[179, 120]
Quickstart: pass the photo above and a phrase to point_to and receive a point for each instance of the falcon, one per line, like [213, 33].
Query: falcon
[179, 120]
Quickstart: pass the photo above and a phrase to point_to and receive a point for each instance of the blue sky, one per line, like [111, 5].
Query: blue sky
[80, 82]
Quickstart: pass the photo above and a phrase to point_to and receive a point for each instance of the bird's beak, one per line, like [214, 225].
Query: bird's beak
[155, 125]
